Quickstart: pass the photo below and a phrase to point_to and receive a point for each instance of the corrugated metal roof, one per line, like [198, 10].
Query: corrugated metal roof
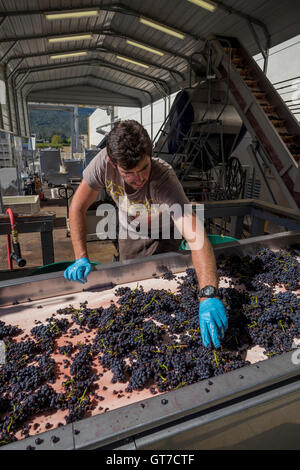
[94, 96]
[25, 30]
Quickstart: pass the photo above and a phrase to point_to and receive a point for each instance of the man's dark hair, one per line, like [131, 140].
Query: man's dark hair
[128, 143]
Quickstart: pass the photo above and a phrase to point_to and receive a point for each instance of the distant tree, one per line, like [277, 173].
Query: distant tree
[56, 140]
[47, 123]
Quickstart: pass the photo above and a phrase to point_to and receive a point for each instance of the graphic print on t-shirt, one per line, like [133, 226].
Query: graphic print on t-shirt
[162, 187]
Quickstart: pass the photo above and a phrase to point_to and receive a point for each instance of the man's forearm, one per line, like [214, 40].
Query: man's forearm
[203, 256]
[77, 221]
[204, 262]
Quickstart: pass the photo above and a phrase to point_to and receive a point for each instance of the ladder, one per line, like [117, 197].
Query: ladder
[262, 110]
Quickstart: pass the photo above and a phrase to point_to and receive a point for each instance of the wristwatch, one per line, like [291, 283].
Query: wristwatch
[209, 291]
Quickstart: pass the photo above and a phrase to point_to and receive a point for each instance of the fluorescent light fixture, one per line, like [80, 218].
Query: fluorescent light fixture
[132, 61]
[60, 15]
[161, 27]
[206, 4]
[74, 37]
[146, 48]
[68, 54]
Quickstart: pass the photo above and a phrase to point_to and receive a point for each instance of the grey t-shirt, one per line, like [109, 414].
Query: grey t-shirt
[162, 187]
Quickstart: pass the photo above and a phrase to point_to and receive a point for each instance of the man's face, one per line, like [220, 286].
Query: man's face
[137, 177]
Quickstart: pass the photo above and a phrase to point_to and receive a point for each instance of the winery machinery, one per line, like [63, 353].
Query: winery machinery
[256, 406]
[229, 127]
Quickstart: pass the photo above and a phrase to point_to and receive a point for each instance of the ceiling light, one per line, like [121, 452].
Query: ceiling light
[162, 28]
[132, 61]
[74, 37]
[146, 48]
[206, 4]
[68, 54]
[60, 15]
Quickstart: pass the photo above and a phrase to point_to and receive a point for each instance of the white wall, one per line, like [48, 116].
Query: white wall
[100, 118]
[128, 113]
[284, 63]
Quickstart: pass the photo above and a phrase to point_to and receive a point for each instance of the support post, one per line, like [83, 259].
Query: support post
[1, 202]
[47, 247]
[236, 226]
[257, 227]
[151, 113]
[72, 131]
[76, 128]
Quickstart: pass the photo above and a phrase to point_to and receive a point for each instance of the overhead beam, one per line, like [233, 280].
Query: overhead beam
[70, 86]
[28, 71]
[264, 52]
[241, 14]
[58, 107]
[98, 63]
[151, 64]
[117, 8]
[105, 32]
[2, 20]
[11, 47]
[15, 69]
[91, 76]
[249, 19]
[114, 33]
[97, 49]
[134, 101]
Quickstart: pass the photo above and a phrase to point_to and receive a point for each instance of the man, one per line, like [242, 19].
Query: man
[129, 174]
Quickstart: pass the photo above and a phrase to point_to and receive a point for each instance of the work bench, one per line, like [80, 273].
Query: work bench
[42, 222]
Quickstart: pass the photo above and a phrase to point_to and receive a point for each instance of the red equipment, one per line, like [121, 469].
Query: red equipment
[16, 255]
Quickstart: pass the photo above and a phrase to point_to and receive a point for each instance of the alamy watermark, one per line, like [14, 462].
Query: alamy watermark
[2, 353]
[295, 358]
[155, 221]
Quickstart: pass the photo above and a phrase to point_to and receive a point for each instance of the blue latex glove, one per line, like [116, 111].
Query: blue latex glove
[213, 321]
[78, 271]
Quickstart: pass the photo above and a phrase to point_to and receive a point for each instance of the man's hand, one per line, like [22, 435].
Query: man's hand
[213, 321]
[78, 271]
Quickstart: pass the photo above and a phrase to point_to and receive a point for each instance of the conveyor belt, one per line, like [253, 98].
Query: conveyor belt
[142, 412]
[267, 118]
[28, 314]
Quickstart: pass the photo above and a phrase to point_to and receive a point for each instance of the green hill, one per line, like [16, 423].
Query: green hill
[46, 123]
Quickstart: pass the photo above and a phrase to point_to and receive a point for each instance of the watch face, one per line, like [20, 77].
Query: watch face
[209, 291]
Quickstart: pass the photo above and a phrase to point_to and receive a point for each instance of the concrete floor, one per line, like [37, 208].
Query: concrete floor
[98, 251]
